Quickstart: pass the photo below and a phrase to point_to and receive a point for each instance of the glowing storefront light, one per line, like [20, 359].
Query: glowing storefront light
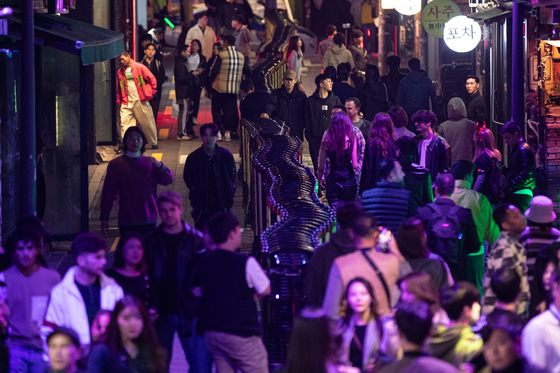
[408, 7]
[462, 34]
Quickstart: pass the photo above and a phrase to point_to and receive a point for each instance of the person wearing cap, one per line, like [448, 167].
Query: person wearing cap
[287, 103]
[507, 252]
[520, 173]
[540, 340]
[64, 351]
[203, 33]
[227, 10]
[25, 289]
[83, 291]
[502, 345]
[539, 234]
[242, 35]
[481, 210]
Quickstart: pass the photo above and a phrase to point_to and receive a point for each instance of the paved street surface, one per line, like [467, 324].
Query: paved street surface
[173, 154]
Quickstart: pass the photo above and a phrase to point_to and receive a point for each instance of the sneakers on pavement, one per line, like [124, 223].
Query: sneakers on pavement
[219, 136]
[227, 136]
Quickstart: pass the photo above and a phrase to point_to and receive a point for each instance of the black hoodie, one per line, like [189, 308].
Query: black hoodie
[318, 115]
[183, 79]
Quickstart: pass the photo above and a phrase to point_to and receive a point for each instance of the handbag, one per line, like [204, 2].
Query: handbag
[374, 362]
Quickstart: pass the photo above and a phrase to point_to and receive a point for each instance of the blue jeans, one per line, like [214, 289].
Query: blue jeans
[26, 360]
[196, 353]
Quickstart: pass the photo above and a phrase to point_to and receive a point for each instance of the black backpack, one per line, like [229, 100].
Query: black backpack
[444, 236]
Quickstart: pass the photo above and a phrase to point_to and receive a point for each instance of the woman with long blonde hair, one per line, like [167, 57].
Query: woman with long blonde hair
[487, 178]
[339, 146]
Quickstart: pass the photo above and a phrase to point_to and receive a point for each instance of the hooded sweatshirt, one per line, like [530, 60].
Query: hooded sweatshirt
[458, 131]
[455, 345]
[336, 55]
[415, 92]
[318, 115]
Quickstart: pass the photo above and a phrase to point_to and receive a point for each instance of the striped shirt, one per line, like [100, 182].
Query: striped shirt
[534, 239]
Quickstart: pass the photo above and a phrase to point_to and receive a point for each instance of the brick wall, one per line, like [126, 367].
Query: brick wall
[553, 165]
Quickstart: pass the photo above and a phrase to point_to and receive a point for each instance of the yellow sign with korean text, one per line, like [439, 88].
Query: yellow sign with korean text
[436, 14]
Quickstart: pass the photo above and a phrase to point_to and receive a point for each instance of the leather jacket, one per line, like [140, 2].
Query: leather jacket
[436, 156]
[521, 170]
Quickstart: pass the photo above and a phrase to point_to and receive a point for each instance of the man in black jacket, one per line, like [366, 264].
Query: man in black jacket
[318, 114]
[417, 179]
[287, 103]
[173, 251]
[520, 181]
[432, 149]
[341, 243]
[210, 176]
[476, 107]
[156, 68]
[184, 94]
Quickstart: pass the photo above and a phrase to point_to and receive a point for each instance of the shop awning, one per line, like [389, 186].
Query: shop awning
[491, 16]
[91, 43]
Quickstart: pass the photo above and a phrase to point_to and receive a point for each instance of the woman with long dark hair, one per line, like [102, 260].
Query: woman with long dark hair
[130, 344]
[216, 49]
[339, 146]
[367, 339]
[373, 94]
[129, 270]
[380, 146]
[487, 178]
[197, 62]
[294, 55]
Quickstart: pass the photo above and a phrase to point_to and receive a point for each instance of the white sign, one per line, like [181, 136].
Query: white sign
[462, 34]
[408, 7]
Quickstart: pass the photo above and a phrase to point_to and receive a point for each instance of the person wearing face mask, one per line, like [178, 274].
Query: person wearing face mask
[130, 345]
[134, 178]
[367, 338]
[64, 351]
[130, 271]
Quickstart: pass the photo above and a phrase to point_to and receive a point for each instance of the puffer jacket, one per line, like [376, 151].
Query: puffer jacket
[389, 202]
[337, 55]
[458, 131]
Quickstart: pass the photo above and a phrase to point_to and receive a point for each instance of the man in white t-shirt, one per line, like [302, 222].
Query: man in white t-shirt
[229, 284]
[540, 340]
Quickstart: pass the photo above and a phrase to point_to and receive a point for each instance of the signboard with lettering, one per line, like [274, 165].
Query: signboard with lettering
[436, 14]
[462, 34]
[408, 7]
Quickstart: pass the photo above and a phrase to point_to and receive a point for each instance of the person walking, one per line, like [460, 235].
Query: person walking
[458, 131]
[373, 94]
[476, 107]
[324, 45]
[337, 53]
[226, 75]
[184, 94]
[417, 179]
[203, 33]
[294, 55]
[488, 177]
[339, 145]
[210, 92]
[136, 86]
[242, 36]
[353, 106]
[359, 55]
[134, 178]
[158, 70]
[400, 120]
[209, 174]
[393, 78]
[432, 149]
[196, 62]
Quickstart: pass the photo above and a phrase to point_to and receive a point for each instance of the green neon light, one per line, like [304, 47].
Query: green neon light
[169, 22]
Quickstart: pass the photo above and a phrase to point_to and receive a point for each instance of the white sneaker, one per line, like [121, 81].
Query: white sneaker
[194, 120]
[186, 138]
[227, 136]
[219, 136]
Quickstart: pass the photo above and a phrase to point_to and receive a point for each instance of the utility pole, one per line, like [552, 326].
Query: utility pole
[517, 67]
[28, 157]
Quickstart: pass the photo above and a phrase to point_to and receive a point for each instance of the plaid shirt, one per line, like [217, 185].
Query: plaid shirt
[506, 252]
[360, 143]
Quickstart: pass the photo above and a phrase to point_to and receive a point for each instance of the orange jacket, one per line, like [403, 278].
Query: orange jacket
[146, 83]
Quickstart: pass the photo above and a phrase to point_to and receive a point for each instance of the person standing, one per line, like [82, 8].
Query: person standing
[64, 351]
[294, 55]
[134, 179]
[458, 131]
[476, 107]
[324, 45]
[83, 291]
[488, 177]
[393, 78]
[417, 179]
[230, 283]
[507, 252]
[226, 77]
[196, 64]
[216, 49]
[380, 146]
[227, 10]
[353, 106]
[203, 33]
[373, 94]
[212, 14]
[287, 103]
[25, 288]
[318, 110]
[337, 53]
[400, 120]
[173, 252]
[416, 91]
[242, 36]
[209, 174]
[432, 149]
[359, 55]
[520, 175]
[184, 93]
[136, 86]
[158, 70]
[341, 87]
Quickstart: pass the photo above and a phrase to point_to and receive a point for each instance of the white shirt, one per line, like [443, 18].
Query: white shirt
[131, 87]
[255, 276]
[193, 62]
[423, 152]
[540, 340]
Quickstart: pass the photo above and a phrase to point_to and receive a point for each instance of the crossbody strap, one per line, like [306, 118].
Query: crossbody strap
[379, 275]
